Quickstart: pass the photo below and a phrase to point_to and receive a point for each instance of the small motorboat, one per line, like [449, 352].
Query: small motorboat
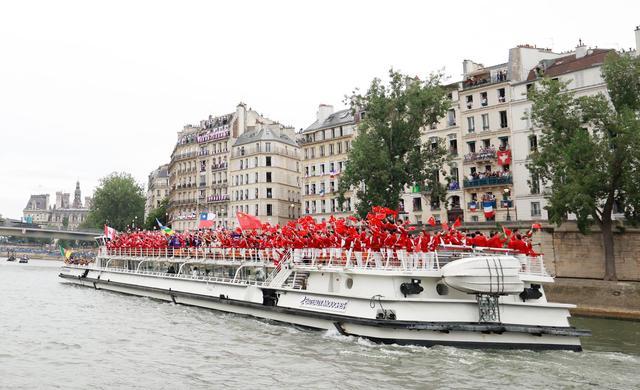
[11, 255]
[24, 259]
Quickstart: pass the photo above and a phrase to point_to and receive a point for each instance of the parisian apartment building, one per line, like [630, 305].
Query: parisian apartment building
[325, 148]
[265, 173]
[240, 161]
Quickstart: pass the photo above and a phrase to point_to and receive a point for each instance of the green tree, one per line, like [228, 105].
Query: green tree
[160, 213]
[388, 153]
[589, 151]
[65, 222]
[117, 202]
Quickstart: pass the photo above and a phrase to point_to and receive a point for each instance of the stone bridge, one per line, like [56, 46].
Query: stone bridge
[36, 232]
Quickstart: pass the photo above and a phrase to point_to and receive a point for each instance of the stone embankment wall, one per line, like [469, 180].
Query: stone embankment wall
[597, 298]
[582, 256]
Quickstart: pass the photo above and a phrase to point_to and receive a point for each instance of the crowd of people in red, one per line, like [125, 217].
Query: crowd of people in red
[381, 229]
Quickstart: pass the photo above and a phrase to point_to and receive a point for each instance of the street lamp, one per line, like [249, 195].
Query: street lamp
[505, 200]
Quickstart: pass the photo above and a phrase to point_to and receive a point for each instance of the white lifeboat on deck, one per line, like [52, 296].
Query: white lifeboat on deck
[484, 275]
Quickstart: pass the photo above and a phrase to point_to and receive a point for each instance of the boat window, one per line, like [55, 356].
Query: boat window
[349, 283]
[442, 289]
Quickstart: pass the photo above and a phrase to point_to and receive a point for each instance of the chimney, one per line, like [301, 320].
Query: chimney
[241, 119]
[469, 66]
[581, 49]
[637, 40]
[324, 110]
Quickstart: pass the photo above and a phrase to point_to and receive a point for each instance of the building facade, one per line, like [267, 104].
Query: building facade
[487, 121]
[581, 69]
[325, 148]
[157, 188]
[200, 170]
[37, 210]
[416, 205]
[265, 173]
[62, 213]
[197, 181]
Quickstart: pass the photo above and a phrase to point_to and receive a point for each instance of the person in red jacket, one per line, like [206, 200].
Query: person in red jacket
[424, 240]
[480, 240]
[495, 241]
[435, 243]
[517, 244]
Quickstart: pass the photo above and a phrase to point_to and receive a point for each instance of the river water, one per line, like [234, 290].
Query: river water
[56, 335]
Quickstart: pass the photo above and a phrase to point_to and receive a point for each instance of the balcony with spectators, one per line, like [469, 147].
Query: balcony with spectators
[482, 78]
[217, 198]
[489, 178]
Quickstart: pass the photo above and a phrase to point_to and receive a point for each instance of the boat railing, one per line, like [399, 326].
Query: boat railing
[380, 260]
[531, 265]
[401, 260]
[195, 254]
[184, 276]
[384, 259]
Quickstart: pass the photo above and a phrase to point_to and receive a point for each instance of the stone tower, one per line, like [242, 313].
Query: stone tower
[77, 198]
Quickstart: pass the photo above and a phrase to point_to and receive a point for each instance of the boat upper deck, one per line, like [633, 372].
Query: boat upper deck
[386, 261]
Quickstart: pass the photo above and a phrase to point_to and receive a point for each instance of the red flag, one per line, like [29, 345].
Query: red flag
[507, 232]
[380, 216]
[457, 223]
[432, 221]
[504, 157]
[247, 221]
[385, 210]
[536, 226]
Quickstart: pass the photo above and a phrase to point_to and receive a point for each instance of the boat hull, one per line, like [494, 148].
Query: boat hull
[247, 300]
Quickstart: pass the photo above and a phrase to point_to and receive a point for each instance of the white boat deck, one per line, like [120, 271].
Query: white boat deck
[389, 261]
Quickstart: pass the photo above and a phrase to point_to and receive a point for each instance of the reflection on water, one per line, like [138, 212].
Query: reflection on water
[610, 335]
[57, 335]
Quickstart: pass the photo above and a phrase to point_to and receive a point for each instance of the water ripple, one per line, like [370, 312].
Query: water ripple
[63, 336]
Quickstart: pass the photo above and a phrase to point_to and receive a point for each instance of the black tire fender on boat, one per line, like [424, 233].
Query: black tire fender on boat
[339, 328]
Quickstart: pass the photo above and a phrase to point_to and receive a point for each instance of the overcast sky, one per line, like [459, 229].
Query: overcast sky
[88, 88]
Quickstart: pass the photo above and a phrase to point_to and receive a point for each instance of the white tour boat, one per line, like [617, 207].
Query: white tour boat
[459, 296]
